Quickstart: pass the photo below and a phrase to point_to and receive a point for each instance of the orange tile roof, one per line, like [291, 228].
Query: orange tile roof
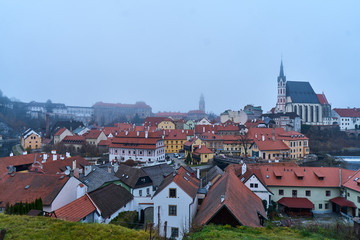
[61, 130]
[201, 150]
[45, 186]
[348, 112]
[76, 210]
[332, 177]
[243, 204]
[92, 134]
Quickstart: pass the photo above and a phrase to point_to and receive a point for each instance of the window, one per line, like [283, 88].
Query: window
[328, 193]
[147, 191]
[172, 210]
[140, 193]
[308, 193]
[320, 206]
[174, 232]
[358, 199]
[281, 192]
[251, 185]
[348, 194]
[326, 205]
[294, 193]
[172, 192]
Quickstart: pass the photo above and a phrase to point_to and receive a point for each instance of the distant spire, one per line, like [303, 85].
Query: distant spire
[281, 70]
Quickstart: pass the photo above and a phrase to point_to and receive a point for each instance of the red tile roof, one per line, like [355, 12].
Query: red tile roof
[332, 177]
[352, 181]
[76, 210]
[75, 138]
[184, 179]
[348, 112]
[237, 198]
[61, 130]
[154, 121]
[253, 124]
[296, 202]
[271, 145]
[123, 126]
[92, 134]
[201, 150]
[199, 129]
[322, 98]
[342, 202]
[44, 186]
[59, 165]
[175, 134]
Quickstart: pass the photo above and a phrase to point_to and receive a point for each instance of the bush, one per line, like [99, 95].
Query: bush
[129, 219]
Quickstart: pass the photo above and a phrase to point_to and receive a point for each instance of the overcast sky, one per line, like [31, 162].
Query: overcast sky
[167, 53]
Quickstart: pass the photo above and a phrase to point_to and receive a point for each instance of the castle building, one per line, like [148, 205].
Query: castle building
[300, 98]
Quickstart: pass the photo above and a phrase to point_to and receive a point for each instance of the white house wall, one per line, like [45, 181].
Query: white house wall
[66, 195]
[184, 210]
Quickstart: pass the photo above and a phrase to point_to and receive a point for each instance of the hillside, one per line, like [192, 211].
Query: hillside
[277, 233]
[24, 227]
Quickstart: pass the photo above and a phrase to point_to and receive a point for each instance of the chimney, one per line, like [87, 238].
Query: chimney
[126, 133]
[54, 157]
[62, 157]
[47, 126]
[116, 167]
[198, 173]
[74, 165]
[146, 134]
[80, 190]
[53, 151]
[182, 131]
[200, 146]
[109, 169]
[137, 133]
[222, 199]
[24, 153]
[243, 169]
[11, 154]
[76, 173]
[67, 154]
[273, 134]
[263, 138]
[45, 157]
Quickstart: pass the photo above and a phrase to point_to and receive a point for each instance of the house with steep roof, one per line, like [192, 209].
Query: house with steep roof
[93, 137]
[30, 139]
[61, 134]
[288, 121]
[111, 200]
[55, 190]
[158, 172]
[99, 176]
[75, 142]
[229, 201]
[201, 154]
[189, 145]
[82, 210]
[351, 192]
[175, 203]
[251, 177]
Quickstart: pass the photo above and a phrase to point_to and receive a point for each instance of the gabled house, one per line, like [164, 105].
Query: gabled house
[175, 203]
[229, 201]
[55, 190]
[189, 145]
[99, 176]
[93, 137]
[110, 201]
[61, 134]
[30, 139]
[201, 154]
[82, 210]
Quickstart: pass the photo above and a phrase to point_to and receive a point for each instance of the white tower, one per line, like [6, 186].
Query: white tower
[281, 99]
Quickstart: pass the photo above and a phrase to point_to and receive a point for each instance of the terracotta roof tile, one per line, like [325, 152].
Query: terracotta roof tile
[237, 198]
[76, 210]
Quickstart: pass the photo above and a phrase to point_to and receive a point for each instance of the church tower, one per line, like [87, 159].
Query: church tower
[281, 97]
[202, 103]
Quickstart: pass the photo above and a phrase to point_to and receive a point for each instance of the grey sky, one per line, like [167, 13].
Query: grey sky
[167, 52]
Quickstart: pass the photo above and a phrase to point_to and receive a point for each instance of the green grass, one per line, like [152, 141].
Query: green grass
[24, 227]
[245, 233]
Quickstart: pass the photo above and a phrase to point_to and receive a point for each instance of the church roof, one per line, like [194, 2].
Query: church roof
[301, 92]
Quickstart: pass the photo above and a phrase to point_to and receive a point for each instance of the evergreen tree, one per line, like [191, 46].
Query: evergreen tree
[188, 159]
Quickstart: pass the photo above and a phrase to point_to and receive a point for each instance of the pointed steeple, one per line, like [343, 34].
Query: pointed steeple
[281, 69]
[282, 75]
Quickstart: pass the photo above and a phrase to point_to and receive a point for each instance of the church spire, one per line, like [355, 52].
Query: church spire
[281, 70]
[281, 76]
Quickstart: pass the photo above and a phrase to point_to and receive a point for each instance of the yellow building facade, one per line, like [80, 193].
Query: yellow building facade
[166, 125]
[31, 139]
